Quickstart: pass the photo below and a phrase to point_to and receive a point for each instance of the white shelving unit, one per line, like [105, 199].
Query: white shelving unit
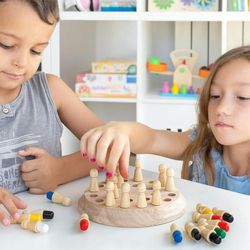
[82, 37]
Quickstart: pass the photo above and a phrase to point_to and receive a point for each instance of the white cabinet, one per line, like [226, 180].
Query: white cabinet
[83, 37]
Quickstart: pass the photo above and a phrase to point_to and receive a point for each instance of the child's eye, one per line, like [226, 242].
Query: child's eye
[214, 96]
[243, 98]
[6, 46]
[34, 52]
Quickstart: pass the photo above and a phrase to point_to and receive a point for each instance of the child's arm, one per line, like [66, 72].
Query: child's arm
[12, 204]
[46, 172]
[112, 143]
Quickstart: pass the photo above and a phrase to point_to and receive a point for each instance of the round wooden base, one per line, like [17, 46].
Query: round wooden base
[172, 207]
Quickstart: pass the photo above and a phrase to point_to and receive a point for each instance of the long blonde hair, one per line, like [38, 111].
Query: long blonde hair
[205, 140]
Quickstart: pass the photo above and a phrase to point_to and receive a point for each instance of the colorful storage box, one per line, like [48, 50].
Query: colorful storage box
[114, 67]
[106, 85]
[118, 5]
[183, 5]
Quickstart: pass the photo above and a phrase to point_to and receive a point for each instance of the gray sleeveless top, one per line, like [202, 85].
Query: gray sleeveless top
[31, 120]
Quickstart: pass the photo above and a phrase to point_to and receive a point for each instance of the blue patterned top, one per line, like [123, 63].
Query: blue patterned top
[223, 178]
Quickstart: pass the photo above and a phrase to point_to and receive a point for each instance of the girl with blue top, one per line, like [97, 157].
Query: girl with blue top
[216, 152]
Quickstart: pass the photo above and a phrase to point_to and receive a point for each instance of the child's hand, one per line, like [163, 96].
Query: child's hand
[40, 174]
[12, 204]
[108, 146]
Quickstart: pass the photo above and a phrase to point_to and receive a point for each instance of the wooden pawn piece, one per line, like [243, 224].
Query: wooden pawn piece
[35, 226]
[125, 196]
[162, 175]
[170, 186]
[26, 216]
[110, 197]
[225, 215]
[116, 191]
[202, 209]
[156, 195]
[193, 231]
[58, 198]
[138, 173]
[84, 222]
[119, 177]
[141, 197]
[196, 216]
[176, 232]
[209, 235]
[94, 180]
[212, 225]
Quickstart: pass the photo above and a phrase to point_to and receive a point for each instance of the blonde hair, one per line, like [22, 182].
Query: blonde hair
[205, 140]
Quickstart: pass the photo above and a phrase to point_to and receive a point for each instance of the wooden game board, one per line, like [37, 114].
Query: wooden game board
[172, 207]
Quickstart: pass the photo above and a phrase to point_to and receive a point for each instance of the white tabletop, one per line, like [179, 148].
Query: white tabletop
[64, 230]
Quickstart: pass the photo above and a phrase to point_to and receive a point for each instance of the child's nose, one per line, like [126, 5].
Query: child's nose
[21, 59]
[224, 106]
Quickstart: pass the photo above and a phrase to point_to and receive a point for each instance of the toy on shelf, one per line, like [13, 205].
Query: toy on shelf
[236, 5]
[138, 202]
[183, 5]
[183, 61]
[81, 5]
[117, 5]
[155, 65]
[204, 71]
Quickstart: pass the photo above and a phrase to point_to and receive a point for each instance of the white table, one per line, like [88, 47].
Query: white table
[64, 232]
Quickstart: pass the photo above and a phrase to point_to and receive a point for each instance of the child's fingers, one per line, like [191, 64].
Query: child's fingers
[35, 151]
[124, 162]
[36, 191]
[8, 201]
[91, 145]
[20, 204]
[29, 166]
[115, 154]
[102, 148]
[4, 219]
[88, 143]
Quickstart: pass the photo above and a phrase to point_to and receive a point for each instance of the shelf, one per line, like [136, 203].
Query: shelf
[170, 73]
[97, 16]
[154, 97]
[115, 100]
[156, 16]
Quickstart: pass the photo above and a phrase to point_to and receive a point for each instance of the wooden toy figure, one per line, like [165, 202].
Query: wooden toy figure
[58, 198]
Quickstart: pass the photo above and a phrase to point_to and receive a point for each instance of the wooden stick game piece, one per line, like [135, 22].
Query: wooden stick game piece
[84, 222]
[202, 209]
[162, 175]
[125, 197]
[119, 177]
[170, 186]
[176, 232]
[93, 180]
[210, 236]
[58, 198]
[35, 226]
[46, 214]
[225, 215]
[193, 231]
[138, 173]
[110, 197]
[156, 195]
[141, 198]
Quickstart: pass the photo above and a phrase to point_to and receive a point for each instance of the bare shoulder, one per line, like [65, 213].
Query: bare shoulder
[59, 89]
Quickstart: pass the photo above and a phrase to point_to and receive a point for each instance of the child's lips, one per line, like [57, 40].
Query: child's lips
[223, 125]
[14, 76]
